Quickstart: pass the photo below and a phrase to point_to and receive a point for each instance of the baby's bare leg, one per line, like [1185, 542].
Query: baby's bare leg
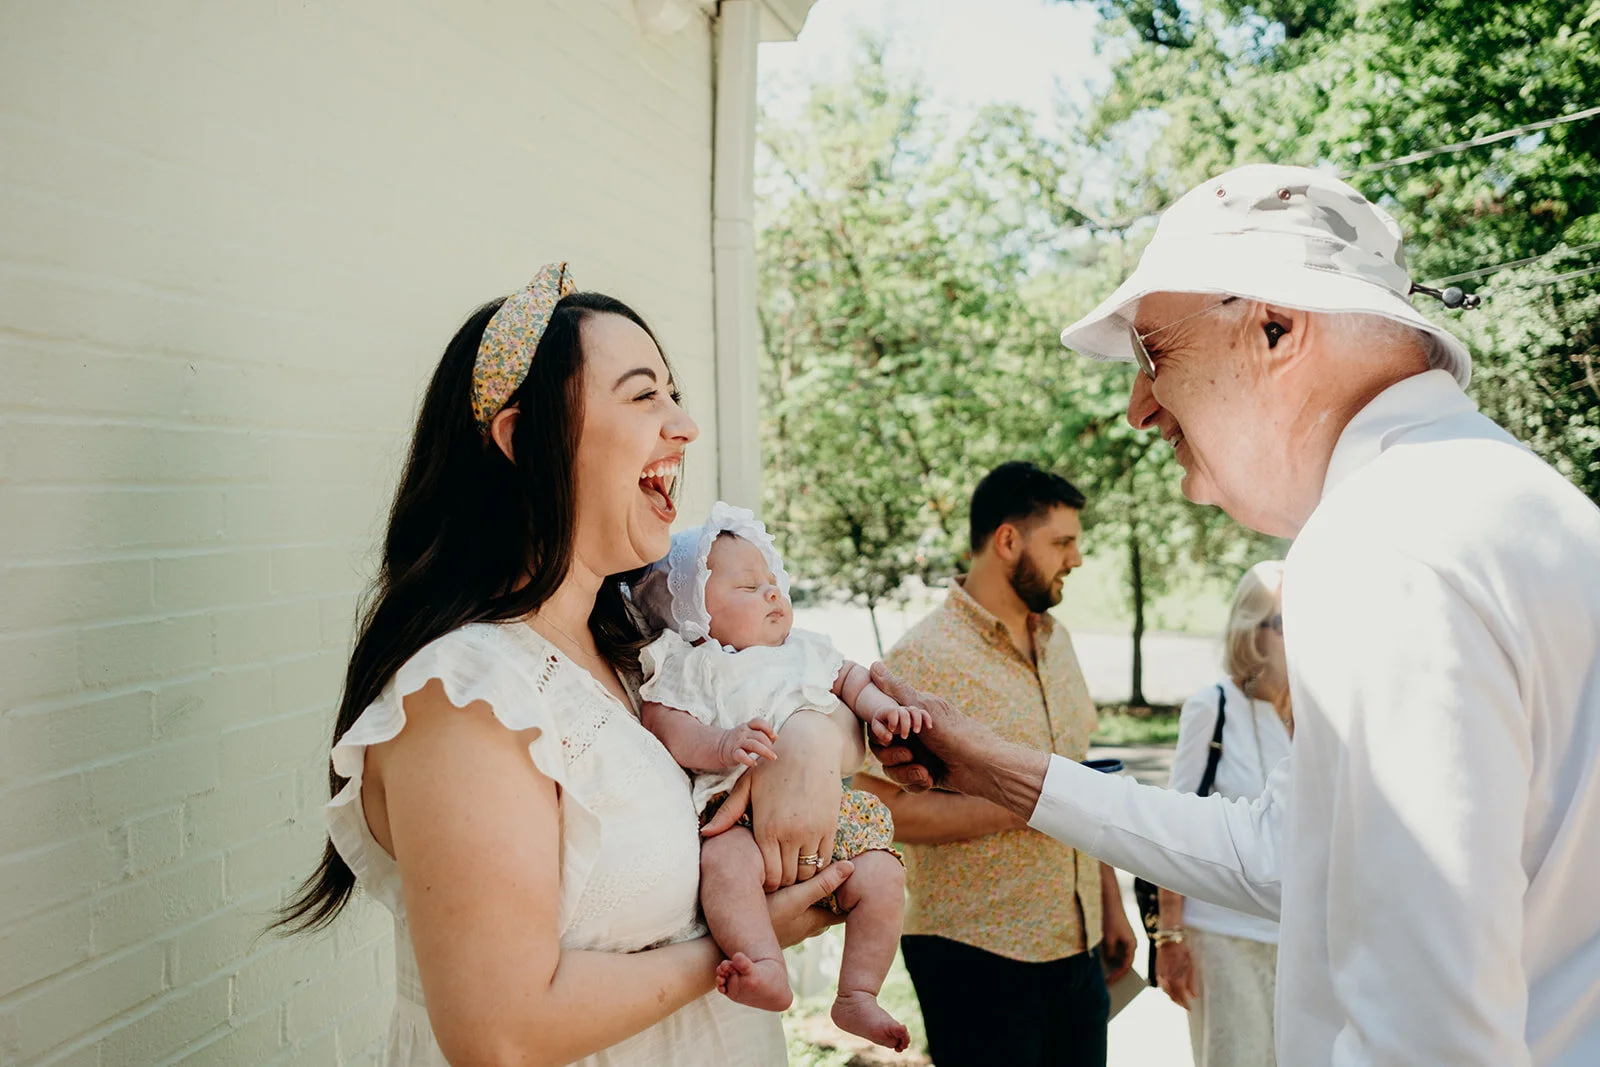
[731, 874]
[874, 896]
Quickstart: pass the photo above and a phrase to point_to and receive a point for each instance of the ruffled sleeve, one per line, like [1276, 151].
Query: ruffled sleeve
[680, 675]
[476, 663]
[818, 664]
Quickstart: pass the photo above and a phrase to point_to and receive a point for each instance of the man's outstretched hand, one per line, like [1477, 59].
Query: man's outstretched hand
[959, 754]
[936, 755]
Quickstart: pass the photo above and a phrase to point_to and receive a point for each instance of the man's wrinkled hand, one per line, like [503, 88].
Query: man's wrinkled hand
[927, 757]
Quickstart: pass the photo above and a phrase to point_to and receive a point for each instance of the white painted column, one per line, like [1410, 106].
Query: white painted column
[738, 362]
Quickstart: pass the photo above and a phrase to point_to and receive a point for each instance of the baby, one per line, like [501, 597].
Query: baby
[719, 684]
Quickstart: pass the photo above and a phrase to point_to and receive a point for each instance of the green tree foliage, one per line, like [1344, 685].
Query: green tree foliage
[914, 277]
[915, 270]
[1360, 86]
[894, 329]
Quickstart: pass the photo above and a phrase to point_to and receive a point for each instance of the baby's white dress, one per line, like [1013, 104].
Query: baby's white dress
[630, 842]
[724, 688]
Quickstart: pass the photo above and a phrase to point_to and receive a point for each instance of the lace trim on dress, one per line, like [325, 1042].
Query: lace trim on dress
[547, 671]
[477, 663]
[580, 736]
[611, 891]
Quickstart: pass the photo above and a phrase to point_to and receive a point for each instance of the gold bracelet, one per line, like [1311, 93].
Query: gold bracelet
[1168, 937]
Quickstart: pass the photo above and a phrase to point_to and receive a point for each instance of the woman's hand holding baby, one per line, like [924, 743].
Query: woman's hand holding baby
[747, 745]
[793, 909]
[793, 801]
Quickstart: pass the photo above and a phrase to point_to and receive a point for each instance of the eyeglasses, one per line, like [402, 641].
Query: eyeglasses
[1275, 624]
[1141, 354]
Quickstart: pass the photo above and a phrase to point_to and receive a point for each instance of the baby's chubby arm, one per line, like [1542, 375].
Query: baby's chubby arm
[876, 708]
[699, 747]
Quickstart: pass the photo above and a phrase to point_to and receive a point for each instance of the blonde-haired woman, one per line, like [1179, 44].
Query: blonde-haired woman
[1219, 964]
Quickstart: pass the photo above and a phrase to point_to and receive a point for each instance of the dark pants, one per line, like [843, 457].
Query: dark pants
[984, 1010]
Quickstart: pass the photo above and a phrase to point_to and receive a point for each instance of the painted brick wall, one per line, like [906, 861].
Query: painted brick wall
[234, 238]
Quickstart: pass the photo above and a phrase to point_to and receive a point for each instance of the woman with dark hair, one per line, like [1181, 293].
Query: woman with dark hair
[492, 784]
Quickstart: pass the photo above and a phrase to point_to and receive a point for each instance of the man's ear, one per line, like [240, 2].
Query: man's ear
[1282, 336]
[501, 428]
[1277, 323]
[1007, 542]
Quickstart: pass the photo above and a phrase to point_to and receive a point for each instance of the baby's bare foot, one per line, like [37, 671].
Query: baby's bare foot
[858, 1013]
[755, 983]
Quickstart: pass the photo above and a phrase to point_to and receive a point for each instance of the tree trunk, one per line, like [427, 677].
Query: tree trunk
[1136, 576]
[872, 613]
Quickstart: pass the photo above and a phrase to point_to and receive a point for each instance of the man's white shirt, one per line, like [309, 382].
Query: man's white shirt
[1254, 742]
[1432, 845]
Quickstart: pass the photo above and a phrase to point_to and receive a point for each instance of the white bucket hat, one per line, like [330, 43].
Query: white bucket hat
[1283, 235]
[672, 591]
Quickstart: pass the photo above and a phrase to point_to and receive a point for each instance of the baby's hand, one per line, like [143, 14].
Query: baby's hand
[747, 745]
[899, 721]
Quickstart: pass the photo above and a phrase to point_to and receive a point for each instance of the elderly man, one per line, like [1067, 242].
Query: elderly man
[1433, 843]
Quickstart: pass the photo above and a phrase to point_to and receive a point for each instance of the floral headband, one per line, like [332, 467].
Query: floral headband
[511, 338]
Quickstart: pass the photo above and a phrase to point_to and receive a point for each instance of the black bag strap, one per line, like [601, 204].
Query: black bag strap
[1146, 893]
[1209, 779]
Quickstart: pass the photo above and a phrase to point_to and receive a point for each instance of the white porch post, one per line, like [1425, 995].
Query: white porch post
[738, 364]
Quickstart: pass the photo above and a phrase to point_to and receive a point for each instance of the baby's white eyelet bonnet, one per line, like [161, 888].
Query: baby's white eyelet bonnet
[672, 591]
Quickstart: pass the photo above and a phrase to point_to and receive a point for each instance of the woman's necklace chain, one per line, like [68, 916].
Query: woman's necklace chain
[607, 671]
[577, 646]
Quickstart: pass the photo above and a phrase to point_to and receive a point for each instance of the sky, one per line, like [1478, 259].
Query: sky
[970, 53]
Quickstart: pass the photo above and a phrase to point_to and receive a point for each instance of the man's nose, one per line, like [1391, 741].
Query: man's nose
[1142, 405]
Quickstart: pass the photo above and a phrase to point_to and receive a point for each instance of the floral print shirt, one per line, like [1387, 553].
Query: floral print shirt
[1019, 893]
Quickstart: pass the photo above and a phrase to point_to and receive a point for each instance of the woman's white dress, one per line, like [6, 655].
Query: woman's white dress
[630, 842]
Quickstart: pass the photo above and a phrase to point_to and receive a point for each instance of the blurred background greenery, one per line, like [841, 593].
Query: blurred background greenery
[917, 261]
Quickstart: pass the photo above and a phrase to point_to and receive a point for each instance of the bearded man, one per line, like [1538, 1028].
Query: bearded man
[1001, 933]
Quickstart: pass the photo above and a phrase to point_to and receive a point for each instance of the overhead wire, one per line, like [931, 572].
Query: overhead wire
[1554, 253]
[1537, 282]
[1459, 146]
[1097, 223]
[1386, 164]
[1476, 142]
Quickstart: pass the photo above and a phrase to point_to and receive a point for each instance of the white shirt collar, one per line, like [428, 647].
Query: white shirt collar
[1416, 401]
